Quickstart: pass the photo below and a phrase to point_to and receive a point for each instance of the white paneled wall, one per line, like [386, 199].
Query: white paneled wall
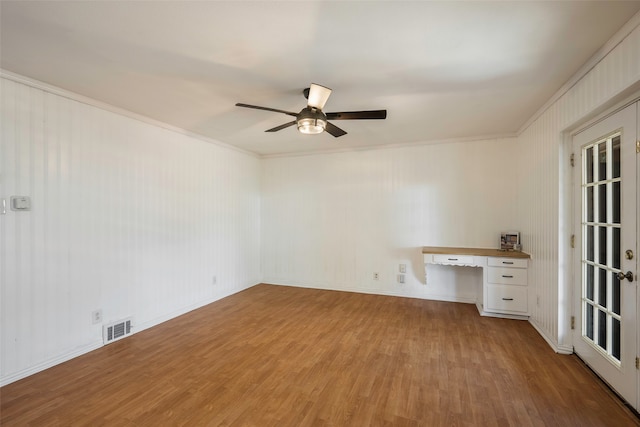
[541, 164]
[127, 217]
[332, 220]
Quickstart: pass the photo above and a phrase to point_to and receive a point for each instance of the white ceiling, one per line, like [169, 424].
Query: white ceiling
[443, 70]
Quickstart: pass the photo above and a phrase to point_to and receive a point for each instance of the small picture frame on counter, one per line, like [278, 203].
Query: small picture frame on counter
[510, 241]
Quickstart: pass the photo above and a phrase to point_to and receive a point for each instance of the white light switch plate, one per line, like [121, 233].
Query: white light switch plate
[20, 203]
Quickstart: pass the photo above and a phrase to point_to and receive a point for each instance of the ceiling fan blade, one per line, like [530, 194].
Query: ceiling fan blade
[277, 128]
[318, 96]
[358, 115]
[334, 130]
[266, 109]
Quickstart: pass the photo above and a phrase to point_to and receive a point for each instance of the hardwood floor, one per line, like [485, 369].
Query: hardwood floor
[283, 356]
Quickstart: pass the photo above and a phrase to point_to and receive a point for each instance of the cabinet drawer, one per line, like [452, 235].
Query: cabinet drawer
[454, 259]
[504, 298]
[507, 276]
[507, 262]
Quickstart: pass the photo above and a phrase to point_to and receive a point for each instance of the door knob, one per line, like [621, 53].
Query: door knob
[628, 276]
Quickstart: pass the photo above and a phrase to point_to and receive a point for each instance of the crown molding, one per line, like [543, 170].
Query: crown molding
[116, 110]
[609, 46]
[393, 146]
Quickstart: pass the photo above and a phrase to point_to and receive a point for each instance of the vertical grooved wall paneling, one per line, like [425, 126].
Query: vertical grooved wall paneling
[126, 217]
[539, 147]
[332, 220]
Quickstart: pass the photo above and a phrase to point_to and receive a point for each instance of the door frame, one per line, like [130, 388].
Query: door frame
[568, 318]
[566, 210]
[637, 254]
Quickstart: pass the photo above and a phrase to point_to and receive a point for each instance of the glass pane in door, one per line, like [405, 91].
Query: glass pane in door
[601, 185]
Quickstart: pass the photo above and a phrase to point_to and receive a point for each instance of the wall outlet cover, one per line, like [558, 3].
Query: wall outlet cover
[96, 317]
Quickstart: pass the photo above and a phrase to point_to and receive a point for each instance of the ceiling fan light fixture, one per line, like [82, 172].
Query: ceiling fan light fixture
[311, 126]
[318, 96]
[311, 121]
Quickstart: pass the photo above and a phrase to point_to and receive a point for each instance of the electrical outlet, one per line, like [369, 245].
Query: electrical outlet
[96, 316]
[400, 278]
[376, 276]
[215, 280]
[403, 268]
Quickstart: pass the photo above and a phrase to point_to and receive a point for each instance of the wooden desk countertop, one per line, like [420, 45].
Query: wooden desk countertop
[440, 250]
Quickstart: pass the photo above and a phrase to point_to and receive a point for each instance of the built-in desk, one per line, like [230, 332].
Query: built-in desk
[505, 290]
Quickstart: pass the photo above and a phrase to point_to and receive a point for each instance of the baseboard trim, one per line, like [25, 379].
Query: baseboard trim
[375, 292]
[165, 318]
[50, 363]
[499, 315]
[561, 349]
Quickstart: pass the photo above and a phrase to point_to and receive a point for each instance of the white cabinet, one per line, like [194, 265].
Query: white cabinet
[506, 286]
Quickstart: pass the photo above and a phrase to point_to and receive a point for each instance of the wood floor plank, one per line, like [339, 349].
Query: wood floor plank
[284, 356]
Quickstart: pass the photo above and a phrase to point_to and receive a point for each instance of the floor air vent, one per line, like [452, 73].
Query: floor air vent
[117, 330]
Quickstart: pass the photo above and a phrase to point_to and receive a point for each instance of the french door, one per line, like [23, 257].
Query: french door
[606, 250]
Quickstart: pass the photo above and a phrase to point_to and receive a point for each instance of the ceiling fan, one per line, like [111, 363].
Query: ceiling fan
[311, 119]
